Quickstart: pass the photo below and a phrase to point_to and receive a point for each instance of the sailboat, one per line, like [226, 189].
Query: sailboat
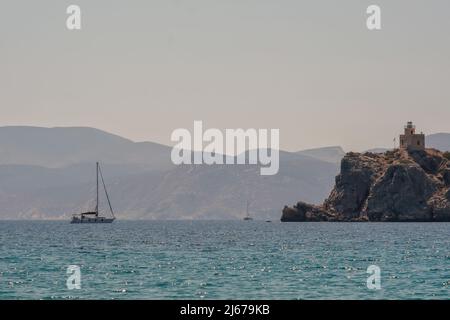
[247, 217]
[92, 216]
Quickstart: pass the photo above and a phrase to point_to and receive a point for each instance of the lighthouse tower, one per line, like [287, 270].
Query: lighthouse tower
[410, 140]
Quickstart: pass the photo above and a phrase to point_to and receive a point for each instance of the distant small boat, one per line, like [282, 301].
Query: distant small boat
[268, 220]
[92, 216]
[247, 217]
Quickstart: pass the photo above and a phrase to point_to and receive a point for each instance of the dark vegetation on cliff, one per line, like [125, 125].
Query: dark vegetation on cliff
[395, 186]
[447, 155]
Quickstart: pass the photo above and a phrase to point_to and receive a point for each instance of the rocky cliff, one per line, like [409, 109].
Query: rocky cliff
[395, 186]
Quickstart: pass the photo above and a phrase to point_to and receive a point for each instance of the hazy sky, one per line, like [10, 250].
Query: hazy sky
[140, 69]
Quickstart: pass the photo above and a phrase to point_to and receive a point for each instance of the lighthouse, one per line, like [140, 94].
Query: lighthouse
[410, 140]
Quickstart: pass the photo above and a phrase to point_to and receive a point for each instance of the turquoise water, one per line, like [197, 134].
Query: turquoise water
[224, 260]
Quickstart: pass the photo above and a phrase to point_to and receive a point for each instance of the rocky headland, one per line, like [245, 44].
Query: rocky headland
[397, 185]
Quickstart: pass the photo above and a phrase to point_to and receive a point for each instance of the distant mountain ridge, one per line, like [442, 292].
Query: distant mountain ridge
[440, 141]
[63, 146]
[48, 173]
[332, 154]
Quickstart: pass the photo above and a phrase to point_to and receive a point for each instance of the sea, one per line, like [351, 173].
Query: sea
[224, 260]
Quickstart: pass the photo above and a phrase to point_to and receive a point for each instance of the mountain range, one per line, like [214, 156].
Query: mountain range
[49, 173]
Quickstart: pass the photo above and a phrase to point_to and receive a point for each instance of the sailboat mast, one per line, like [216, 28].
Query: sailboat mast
[106, 191]
[96, 206]
[248, 215]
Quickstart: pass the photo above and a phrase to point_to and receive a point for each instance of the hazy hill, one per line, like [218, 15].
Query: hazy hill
[221, 191]
[332, 154]
[61, 147]
[440, 141]
[50, 173]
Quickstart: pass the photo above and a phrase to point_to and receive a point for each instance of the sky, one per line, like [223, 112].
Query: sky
[141, 69]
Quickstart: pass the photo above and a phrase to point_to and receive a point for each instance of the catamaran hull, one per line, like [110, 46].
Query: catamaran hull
[92, 220]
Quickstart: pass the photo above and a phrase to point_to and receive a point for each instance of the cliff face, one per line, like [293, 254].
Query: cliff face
[394, 186]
